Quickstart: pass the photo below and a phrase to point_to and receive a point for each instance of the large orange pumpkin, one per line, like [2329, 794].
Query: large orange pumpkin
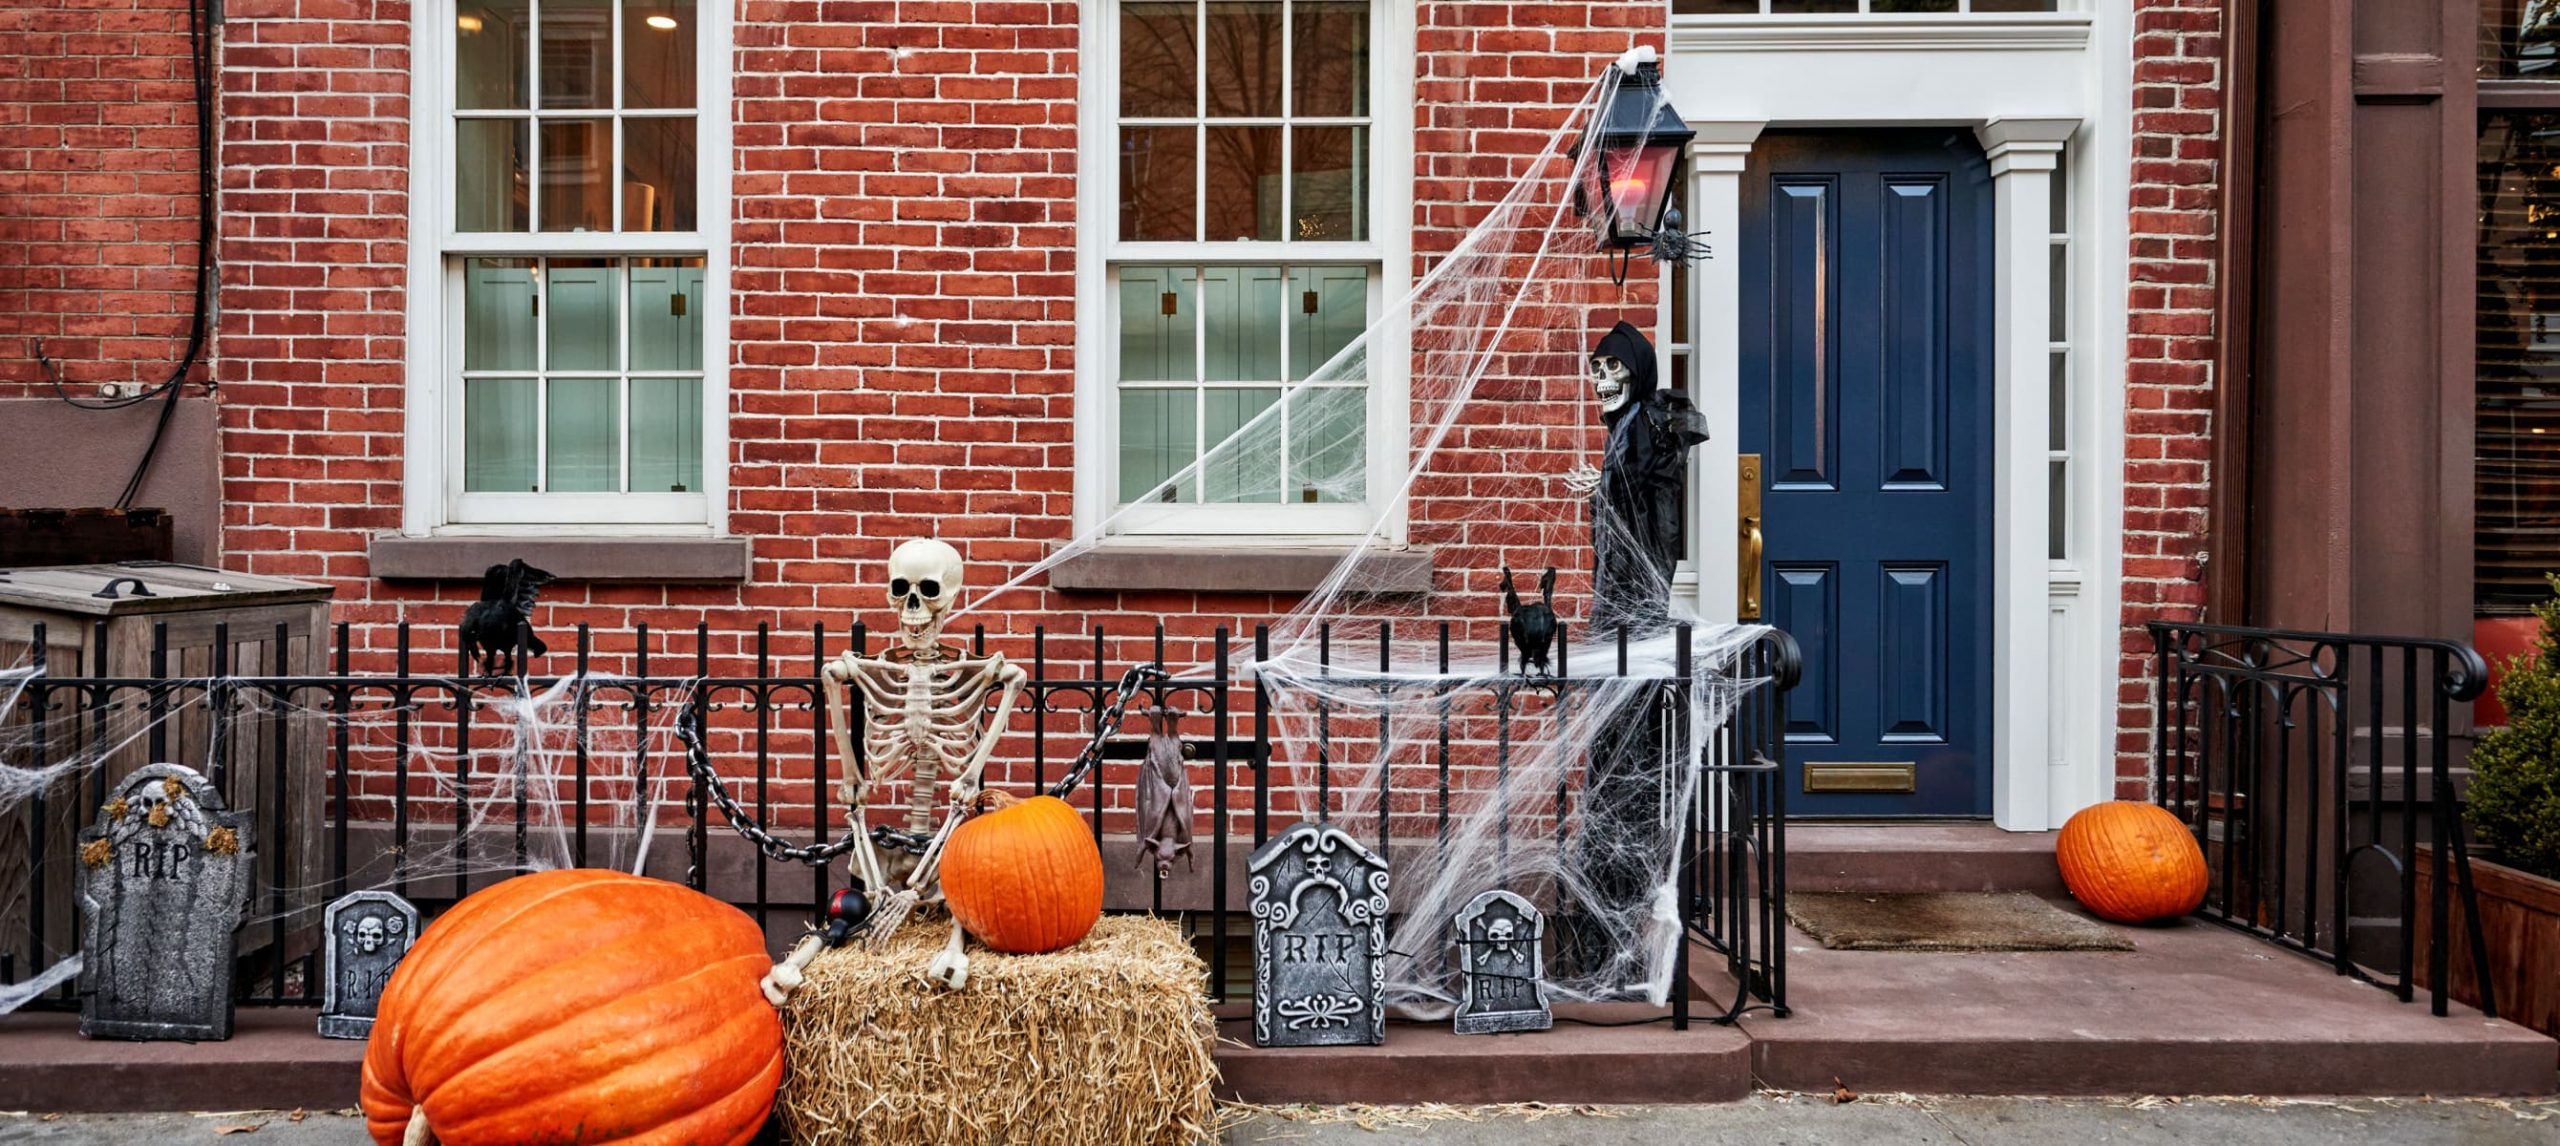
[579, 1007]
[2131, 862]
[1023, 875]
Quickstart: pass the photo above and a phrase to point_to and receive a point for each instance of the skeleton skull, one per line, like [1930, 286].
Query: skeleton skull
[924, 582]
[1609, 381]
[1498, 935]
[369, 936]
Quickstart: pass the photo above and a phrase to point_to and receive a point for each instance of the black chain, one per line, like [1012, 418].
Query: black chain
[697, 761]
[698, 764]
[1132, 683]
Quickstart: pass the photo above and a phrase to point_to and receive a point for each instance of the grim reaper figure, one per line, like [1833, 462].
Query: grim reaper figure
[1644, 473]
[1627, 821]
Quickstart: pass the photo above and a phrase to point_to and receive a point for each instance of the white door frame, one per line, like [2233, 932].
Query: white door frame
[2041, 94]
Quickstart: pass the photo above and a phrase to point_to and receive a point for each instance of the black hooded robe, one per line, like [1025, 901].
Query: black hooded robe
[1636, 526]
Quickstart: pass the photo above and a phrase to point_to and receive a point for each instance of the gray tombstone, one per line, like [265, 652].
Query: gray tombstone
[368, 932]
[1319, 940]
[163, 879]
[1502, 966]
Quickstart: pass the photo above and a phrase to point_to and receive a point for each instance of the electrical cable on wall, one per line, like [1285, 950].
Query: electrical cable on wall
[167, 390]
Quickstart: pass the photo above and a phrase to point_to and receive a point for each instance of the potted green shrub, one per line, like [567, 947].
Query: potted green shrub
[2514, 812]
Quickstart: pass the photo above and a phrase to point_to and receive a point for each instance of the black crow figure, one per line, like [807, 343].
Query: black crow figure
[1533, 627]
[505, 607]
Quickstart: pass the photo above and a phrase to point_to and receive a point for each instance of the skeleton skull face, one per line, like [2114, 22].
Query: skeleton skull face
[1609, 381]
[1499, 935]
[924, 582]
[369, 934]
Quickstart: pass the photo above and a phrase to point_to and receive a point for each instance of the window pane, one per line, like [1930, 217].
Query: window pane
[666, 317]
[2058, 511]
[2015, 6]
[1328, 444]
[580, 316]
[1240, 314]
[1156, 331]
[1331, 59]
[666, 435]
[2060, 399]
[657, 174]
[1329, 184]
[1156, 439]
[2516, 523]
[1241, 198]
[577, 53]
[1899, 6]
[585, 428]
[2058, 306]
[1793, 6]
[1328, 308]
[498, 441]
[2061, 221]
[1243, 62]
[488, 53]
[488, 175]
[576, 153]
[657, 53]
[2520, 38]
[1247, 468]
[1159, 68]
[1715, 7]
[498, 309]
[1158, 166]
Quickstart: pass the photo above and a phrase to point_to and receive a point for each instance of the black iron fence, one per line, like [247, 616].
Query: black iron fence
[432, 784]
[2313, 767]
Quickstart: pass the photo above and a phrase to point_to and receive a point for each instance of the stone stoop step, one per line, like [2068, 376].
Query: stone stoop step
[1967, 855]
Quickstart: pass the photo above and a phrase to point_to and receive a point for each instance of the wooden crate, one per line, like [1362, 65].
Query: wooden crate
[267, 626]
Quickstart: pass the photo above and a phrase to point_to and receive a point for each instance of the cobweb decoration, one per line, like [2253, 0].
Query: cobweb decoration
[1576, 793]
[518, 780]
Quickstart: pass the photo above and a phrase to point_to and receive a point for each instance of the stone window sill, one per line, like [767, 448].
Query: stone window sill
[465, 557]
[1198, 568]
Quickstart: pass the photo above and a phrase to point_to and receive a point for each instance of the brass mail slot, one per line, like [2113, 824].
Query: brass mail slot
[1902, 776]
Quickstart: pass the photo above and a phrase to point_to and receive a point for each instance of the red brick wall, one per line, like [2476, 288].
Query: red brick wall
[314, 241]
[97, 191]
[2177, 124]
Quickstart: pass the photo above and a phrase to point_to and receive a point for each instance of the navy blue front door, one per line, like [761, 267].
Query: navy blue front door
[1867, 391]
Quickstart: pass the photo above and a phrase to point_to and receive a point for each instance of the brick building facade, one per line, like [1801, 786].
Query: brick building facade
[908, 294]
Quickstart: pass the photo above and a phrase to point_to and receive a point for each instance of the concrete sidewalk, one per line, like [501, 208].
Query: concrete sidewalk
[1763, 1120]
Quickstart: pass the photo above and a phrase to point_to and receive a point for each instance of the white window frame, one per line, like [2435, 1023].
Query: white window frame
[432, 498]
[1099, 251]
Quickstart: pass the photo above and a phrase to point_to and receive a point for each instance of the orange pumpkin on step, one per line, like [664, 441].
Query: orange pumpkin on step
[577, 1006]
[1023, 875]
[2131, 862]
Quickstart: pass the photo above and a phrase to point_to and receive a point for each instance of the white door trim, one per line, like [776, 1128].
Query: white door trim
[2054, 668]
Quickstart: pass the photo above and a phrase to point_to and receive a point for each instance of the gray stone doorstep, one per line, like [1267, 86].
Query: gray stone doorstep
[1766, 1119]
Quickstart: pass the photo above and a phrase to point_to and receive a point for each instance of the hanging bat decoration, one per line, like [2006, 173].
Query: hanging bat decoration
[1164, 795]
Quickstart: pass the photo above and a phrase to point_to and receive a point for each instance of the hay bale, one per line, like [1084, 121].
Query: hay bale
[1106, 1043]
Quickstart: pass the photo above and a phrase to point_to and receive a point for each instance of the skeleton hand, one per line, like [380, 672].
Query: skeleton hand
[951, 967]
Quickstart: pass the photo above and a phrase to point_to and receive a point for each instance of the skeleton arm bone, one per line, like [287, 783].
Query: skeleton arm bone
[857, 785]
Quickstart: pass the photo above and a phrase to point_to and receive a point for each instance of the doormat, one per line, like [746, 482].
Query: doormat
[1946, 921]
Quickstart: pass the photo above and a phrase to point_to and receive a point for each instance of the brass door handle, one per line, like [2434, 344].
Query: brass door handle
[1748, 489]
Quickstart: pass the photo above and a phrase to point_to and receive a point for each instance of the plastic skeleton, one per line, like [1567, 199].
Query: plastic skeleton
[925, 714]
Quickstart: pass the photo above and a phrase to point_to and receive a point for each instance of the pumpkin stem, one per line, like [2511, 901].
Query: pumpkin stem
[994, 800]
[417, 1134]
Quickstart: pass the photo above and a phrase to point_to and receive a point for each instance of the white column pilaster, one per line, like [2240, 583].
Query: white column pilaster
[1716, 161]
[2024, 154]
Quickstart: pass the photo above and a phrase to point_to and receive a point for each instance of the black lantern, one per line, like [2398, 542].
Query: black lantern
[1627, 186]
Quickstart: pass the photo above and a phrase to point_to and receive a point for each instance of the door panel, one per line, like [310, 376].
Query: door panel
[1867, 387]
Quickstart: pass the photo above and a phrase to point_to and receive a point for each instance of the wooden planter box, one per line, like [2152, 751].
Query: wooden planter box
[2520, 924]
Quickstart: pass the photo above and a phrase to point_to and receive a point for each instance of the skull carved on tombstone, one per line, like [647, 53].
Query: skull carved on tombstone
[924, 582]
